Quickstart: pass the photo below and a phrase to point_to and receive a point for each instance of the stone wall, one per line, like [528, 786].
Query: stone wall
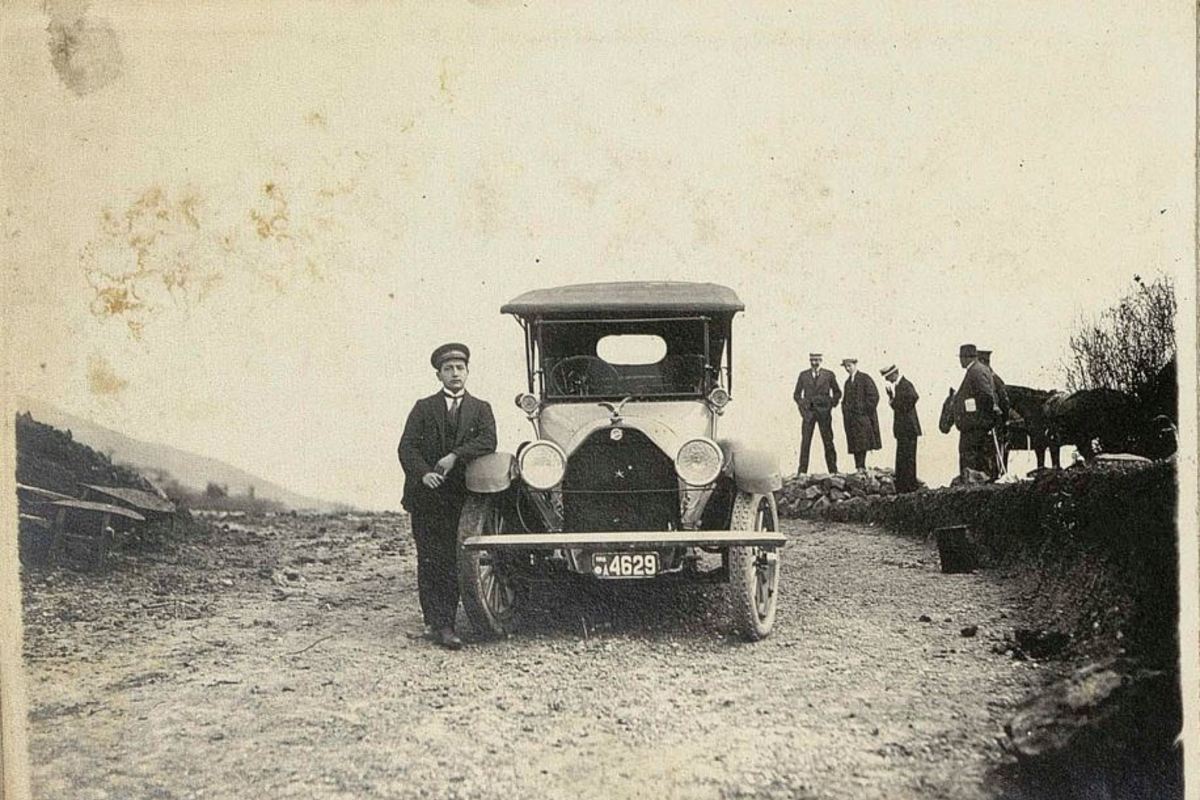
[809, 495]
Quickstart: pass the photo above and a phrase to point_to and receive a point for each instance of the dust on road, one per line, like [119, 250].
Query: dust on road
[271, 659]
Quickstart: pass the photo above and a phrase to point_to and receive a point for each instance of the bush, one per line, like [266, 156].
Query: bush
[1131, 342]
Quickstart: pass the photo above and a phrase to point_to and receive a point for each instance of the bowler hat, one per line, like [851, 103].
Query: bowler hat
[967, 351]
[448, 351]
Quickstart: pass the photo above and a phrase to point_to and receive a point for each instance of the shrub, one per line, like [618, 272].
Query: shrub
[1129, 344]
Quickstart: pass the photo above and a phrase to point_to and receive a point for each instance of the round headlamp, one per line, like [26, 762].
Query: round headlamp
[542, 465]
[699, 462]
[527, 402]
[718, 398]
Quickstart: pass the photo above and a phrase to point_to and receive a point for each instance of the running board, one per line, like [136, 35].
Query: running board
[625, 540]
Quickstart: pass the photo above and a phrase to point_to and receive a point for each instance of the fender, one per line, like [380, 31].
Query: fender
[755, 471]
[491, 473]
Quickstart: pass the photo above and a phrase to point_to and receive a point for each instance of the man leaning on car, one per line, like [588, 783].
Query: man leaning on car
[443, 434]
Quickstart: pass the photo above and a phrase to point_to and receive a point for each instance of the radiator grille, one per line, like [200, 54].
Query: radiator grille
[624, 484]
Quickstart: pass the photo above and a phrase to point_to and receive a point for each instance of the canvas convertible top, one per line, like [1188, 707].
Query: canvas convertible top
[626, 298]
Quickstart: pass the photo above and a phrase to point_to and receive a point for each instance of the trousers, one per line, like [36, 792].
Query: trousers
[435, 532]
[806, 437]
[976, 451]
[906, 465]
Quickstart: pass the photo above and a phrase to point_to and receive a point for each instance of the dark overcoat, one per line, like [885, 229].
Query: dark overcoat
[975, 403]
[860, 400]
[816, 396]
[905, 424]
[426, 440]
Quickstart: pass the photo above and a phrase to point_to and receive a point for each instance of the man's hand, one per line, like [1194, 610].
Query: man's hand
[433, 480]
[446, 463]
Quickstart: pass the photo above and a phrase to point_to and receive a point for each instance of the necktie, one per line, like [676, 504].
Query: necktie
[452, 416]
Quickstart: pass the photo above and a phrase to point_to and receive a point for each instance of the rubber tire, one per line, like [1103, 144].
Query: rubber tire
[482, 515]
[743, 581]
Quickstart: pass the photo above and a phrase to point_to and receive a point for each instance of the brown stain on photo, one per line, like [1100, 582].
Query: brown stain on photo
[85, 52]
[272, 222]
[103, 379]
[160, 233]
[170, 249]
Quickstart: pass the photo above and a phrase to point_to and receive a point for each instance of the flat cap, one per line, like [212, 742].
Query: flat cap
[967, 351]
[448, 351]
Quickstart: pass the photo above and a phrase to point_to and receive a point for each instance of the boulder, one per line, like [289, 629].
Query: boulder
[1101, 705]
[836, 482]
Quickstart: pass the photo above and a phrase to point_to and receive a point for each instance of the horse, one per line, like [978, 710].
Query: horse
[1029, 427]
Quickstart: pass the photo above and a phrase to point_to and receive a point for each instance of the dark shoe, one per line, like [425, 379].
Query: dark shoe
[448, 639]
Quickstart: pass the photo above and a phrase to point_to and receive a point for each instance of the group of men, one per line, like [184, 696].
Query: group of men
[979, 409]
[817, 394]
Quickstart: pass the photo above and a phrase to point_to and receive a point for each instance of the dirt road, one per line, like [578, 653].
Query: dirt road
[270, 660]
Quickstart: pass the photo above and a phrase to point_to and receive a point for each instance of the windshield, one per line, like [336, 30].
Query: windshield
[622, 358]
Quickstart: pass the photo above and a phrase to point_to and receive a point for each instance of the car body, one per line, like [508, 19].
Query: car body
[626, 476]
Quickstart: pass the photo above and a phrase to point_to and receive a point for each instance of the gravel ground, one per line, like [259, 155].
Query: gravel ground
[271, 659]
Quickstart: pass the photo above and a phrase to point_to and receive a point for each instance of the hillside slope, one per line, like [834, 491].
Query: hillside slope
[152, 458]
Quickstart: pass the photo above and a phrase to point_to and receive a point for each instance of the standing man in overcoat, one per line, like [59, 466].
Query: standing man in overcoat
[906, 427]
[443, 434]
[816, 395]
[975, 408]
[860, 400]
[1004, 406]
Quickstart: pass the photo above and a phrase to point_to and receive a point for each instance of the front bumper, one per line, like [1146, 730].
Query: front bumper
[625, 540]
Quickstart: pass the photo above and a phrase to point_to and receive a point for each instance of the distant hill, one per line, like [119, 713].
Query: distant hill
[152, 459]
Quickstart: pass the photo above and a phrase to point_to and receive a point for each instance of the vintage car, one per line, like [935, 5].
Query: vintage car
[627, 477]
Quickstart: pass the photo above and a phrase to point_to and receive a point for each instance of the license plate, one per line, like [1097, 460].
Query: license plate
[624, 565]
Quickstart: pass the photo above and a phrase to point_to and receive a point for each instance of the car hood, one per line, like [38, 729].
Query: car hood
[667, 423]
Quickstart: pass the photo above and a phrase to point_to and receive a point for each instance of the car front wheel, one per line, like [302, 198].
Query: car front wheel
[487, 590]
[754, 571]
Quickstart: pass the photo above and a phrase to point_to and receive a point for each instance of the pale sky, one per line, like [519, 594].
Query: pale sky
[240, 228]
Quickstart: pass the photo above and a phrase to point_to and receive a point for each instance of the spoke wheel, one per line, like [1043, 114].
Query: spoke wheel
[754, 571]
[488, 593]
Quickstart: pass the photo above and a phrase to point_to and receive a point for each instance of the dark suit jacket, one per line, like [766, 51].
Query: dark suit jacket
[425, 440]
[976, 386]
[817, 397]
[905, 424]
